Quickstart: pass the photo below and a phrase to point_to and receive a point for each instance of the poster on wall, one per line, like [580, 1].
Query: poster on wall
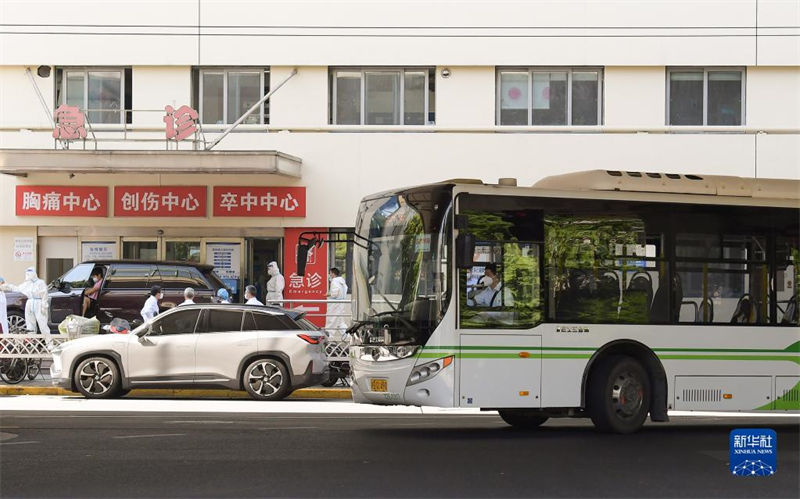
[226, 259]
[313, 285]
[98, 250]
[23, 249]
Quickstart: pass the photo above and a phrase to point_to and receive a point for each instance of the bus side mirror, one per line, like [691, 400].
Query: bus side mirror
[465, 250]
[302, 257]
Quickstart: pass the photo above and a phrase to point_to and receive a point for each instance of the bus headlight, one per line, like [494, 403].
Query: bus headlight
[424, 372]
[384, 353]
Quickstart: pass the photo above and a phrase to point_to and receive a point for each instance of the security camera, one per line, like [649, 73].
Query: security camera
[43, 71]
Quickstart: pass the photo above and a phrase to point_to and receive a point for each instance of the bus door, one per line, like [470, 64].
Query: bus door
[499, 305]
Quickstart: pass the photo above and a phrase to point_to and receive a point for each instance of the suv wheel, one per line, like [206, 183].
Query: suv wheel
[97, 378]
[266, 379]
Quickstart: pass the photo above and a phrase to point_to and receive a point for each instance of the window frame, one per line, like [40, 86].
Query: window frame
[363, 97]
[705, 70]
[551, 69]
[264, 74]
[85, 70]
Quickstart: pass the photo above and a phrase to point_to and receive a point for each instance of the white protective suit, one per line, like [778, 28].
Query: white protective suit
[276, 283]
[37, 306]
[338, 313]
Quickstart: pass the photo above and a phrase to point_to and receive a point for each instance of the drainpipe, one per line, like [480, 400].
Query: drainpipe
[41, 99]
[249, 111]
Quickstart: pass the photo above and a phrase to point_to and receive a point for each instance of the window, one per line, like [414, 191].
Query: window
[255, 321]
[180, 322]
[178, 277]
[604, 268]
[129, 276]
[226, 94]
[55, 267]
[140, 250]
[561, 96]
[221, 321]
[187, 251]
[502, 288]
[103, 94]
[79, 276]
[382, 96]
[700, 96]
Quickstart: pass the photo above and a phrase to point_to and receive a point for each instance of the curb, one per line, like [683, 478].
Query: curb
[303, 393]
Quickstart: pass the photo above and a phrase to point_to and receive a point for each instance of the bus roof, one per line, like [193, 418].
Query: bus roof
[673, 183]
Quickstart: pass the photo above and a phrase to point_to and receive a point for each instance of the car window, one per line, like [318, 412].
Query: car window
[180, 277]
[180, 322]
[307, 325]
[255, 321]
[78, 276]
[200, 281]
[221, 321]
[128, 276]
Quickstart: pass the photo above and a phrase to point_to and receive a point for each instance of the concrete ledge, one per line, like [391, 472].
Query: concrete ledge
[303, 393]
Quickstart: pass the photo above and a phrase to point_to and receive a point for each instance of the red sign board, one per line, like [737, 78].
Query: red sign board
[259, 201]
[313, 285]
[159, 201]
[59, 201]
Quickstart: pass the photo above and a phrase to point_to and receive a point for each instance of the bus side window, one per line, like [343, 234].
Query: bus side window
[502, 289]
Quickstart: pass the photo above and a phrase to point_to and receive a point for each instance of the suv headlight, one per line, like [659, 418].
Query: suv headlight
[424, 372]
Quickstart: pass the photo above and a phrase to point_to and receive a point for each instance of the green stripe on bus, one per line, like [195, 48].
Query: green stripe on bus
[794, 359]
[795, 347]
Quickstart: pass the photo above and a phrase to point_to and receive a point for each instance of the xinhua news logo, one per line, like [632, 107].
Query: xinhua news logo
[754, 452]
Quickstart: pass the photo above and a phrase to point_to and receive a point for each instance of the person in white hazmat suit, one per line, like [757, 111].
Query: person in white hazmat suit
[37, 306]
[338, 313]
[276, 283]
[3, 309]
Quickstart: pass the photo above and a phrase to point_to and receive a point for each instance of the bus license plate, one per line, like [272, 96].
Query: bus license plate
[378, 385]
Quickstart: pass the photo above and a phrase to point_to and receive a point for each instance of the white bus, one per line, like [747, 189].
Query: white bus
[598, 294]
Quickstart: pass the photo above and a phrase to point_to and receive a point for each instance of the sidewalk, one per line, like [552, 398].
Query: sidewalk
[42, 386]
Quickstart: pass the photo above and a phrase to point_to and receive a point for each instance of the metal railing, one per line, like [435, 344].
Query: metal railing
[28, 345]
[337, 345]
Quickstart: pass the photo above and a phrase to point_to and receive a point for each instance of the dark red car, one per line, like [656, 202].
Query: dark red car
[126, 286]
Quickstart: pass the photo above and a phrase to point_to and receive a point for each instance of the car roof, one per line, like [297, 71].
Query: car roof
[292, 314]
[199, 266]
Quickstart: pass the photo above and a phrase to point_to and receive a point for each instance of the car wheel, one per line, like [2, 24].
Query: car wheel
[619, 395]
[16, 323]
[266, 379]
[97, 378]
[523, 419]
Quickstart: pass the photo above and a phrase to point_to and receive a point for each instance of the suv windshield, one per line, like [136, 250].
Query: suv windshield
[402, 277]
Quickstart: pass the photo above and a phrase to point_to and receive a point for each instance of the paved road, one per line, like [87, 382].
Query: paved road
[179, 454]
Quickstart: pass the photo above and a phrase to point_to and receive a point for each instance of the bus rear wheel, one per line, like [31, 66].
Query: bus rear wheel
[619, 395]
[524, 419]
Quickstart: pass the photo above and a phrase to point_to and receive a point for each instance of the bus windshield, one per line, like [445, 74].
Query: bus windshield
[402, 275]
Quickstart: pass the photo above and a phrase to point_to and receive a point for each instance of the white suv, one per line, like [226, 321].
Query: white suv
[267, 351]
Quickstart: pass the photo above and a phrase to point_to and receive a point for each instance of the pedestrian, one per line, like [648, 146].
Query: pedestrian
[336, 318]
[275, 284]
[3, 306]
[150, 308]
[188, 297]
[90, 294]
[223, 296]
[37, 306]
[250, 295]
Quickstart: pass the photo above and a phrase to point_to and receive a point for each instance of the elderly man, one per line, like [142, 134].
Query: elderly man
[188, 296]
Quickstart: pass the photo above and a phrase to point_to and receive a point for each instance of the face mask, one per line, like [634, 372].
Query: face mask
[272, 271]
[29, 276]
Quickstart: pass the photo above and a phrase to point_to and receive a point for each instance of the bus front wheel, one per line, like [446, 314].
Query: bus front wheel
[524, 419]
[619, 395]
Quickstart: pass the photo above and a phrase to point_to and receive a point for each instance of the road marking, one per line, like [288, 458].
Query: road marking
[3, 444]
[7, 436]
[293, 428]
[153, 435]
[199, 422]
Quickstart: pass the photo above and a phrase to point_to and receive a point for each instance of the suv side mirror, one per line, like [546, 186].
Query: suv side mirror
[465, 250]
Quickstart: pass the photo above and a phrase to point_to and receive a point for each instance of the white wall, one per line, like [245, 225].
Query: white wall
[466, 98]
[634, 96]
[155, 87]
[773, 97]
[19, 105]
[428, 32]
[303, 100]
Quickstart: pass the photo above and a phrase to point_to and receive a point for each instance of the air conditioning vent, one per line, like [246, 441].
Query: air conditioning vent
[702, 395]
